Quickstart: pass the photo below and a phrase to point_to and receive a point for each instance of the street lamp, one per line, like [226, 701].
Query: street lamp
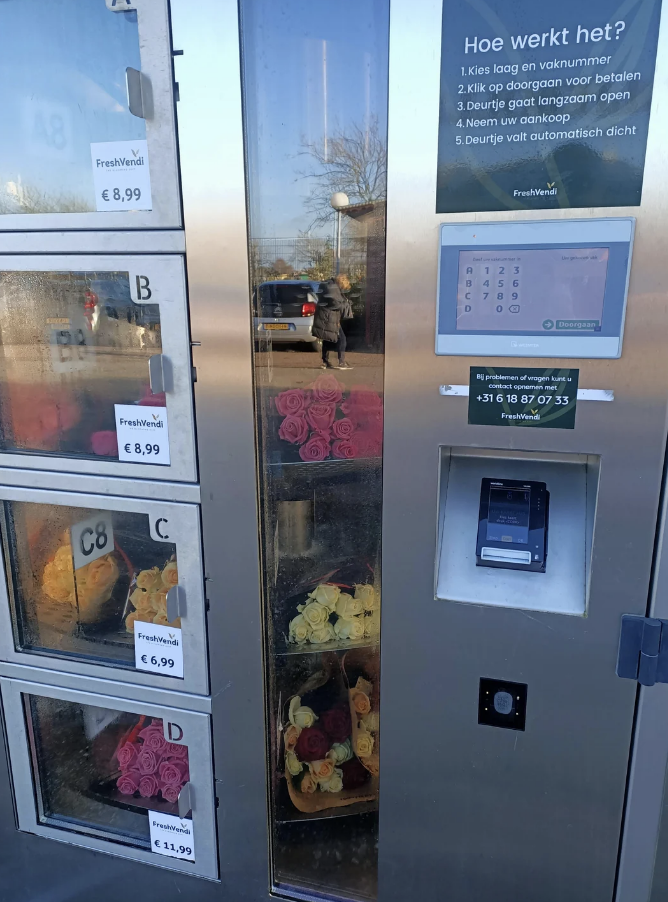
[338, 201]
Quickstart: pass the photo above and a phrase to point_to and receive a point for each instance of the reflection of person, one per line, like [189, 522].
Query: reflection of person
[332, 307]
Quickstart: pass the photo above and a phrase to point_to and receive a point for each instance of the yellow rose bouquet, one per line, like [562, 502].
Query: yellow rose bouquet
[148, 596]
[76, 595]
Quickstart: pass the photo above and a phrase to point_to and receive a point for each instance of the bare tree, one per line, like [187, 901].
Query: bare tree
[354, 162]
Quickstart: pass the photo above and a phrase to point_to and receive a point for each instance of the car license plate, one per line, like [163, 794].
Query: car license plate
[274, 327]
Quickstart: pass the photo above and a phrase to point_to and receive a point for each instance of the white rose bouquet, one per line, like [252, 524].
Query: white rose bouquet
[330, 614]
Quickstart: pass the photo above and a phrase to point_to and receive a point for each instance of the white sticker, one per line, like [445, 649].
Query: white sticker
[172, 836]
[92, 538]
[121, 175]
[142, 434]
[174, 732]
[158, 649]
[160, 529]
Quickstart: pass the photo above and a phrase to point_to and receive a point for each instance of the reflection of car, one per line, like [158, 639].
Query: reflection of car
[284, 310]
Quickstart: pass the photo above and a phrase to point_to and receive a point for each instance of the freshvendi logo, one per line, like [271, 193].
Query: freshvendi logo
[551, 191]
[136, 162]
[142, 423]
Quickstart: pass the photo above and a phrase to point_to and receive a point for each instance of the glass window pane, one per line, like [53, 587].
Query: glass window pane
[66, 64]
[100, 771]
[81, 578]
[315, 116]
[74, 344]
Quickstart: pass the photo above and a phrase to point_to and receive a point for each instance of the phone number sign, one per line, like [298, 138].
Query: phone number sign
[512, 396]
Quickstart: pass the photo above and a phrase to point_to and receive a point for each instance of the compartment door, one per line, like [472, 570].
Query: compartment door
[95, 366]
[88, 109]
[127, 778]
[104, 586]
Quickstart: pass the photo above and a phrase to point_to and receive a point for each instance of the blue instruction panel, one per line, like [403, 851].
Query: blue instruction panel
[533, 289]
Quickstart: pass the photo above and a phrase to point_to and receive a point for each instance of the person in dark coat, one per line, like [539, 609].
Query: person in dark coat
[327, 322]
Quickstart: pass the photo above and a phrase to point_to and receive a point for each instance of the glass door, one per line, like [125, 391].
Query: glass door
[315, 117]
[107, 587]
[126, 778]
[95, 366]
[87, 103]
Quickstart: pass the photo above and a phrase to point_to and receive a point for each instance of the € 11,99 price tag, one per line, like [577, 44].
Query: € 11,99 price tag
[172, 836]
[158, 648]
[121, 175]
[142, 434]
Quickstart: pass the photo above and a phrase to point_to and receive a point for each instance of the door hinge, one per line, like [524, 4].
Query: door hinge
[643, 650]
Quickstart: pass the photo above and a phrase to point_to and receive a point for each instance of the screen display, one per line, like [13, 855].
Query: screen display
[548, 290]
[508, 516]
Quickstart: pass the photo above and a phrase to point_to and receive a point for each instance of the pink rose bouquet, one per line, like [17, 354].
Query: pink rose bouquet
[294, 429]
[291, 402]
[325, 422]
[321, 416]
[327, 390]
[316, 448]
[128, 784]
[148, 786]
[126, 755]
[149, 765]
[345, 449]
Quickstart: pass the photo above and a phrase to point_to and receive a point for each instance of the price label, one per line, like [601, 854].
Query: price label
[121, 175]
[172, 836]
[158, 649]
[142, 434]
[92, 539]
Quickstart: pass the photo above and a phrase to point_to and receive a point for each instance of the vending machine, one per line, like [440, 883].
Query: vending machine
[333, 406]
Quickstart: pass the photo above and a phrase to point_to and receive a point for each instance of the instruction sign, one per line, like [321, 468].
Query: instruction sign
[544, 106]
[512, 396]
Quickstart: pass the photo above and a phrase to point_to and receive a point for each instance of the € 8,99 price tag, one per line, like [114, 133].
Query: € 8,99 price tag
[142, 434]
[172, 836]
[121, 175]
[158, 648]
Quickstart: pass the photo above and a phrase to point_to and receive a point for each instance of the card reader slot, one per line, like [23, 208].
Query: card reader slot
[505, 555]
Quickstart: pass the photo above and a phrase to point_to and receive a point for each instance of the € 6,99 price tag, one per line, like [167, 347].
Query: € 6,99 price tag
[121, 175]
[142, 434]
[172, 836]
[158, 648]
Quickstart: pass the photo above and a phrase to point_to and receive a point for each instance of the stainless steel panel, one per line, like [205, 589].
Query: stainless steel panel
[195, 726]
[154, 241]
[101, 485]
[643, 856]
[156, 63]
[211, 152]
[494, 814]
[645, 813]
[184, 527]
[166, 277]
[85, 683]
